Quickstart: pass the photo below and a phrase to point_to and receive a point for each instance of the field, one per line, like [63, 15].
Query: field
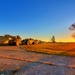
[67, 49]
[39, 59]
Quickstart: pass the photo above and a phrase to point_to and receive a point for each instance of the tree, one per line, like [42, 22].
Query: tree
[18, 37]
[53, 39]
[72, 27]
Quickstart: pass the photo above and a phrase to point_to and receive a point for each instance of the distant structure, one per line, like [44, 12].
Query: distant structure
[53, 39]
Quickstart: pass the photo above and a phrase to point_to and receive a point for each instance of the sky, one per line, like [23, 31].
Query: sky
[38, 19]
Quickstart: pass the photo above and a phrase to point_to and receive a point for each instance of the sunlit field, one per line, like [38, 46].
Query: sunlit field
[67, 49]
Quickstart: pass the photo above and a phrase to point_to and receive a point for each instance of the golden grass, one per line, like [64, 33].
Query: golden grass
[67, 49]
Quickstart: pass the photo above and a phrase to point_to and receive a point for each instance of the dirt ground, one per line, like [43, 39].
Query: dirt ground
[17, 61]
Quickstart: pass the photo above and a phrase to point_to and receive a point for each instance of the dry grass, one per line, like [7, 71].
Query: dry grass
[67, 49]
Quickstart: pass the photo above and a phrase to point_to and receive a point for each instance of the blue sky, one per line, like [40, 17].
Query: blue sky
[40, 19]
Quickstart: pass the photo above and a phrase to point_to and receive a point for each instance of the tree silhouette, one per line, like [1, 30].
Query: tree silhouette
[72, 27]
[53, 39]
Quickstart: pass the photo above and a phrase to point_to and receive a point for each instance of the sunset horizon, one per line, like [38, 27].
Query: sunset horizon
[38, 19]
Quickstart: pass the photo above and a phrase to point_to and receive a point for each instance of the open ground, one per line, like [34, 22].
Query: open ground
[39, 59]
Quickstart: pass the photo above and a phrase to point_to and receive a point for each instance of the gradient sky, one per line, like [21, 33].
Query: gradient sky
[40, 19]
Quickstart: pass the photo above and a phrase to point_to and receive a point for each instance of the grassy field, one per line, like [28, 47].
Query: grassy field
[67, 49]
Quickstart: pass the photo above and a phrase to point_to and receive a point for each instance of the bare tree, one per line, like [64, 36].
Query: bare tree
[72, 27]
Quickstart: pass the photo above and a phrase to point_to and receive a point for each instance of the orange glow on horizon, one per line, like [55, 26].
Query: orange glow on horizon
[61, 39]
